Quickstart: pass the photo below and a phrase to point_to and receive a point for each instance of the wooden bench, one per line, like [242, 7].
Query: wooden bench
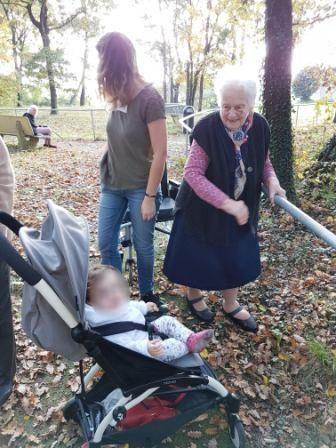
[19, 127]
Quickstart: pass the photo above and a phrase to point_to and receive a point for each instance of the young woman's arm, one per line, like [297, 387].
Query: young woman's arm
[158, 136]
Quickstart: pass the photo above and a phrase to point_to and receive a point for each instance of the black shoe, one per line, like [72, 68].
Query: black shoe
[155, 298]
[5, 391]
[248, 324]
[205, 315]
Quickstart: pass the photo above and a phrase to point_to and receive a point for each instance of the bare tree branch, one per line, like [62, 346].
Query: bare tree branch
[67, 21]
[34, 21]
[316, 19]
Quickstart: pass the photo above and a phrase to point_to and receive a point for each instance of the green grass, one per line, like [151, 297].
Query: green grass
[323, 354]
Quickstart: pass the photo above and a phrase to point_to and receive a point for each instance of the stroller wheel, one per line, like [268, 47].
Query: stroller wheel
[237, 433]
[70, 410]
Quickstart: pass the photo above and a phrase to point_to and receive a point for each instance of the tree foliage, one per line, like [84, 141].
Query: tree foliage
[87, 25]
[196, 39]
[191, 39]
[17, 26]
[310, 79]
[43, 18]
[306, 82]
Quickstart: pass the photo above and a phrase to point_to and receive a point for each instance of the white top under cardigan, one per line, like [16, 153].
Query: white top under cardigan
[132, 311]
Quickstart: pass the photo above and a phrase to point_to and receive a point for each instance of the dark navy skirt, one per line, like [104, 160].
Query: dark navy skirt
[194, 263]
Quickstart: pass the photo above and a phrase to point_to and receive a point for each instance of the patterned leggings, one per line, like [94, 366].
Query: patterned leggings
[175, 346]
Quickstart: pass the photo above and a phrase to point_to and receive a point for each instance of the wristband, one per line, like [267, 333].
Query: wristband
[150, 195]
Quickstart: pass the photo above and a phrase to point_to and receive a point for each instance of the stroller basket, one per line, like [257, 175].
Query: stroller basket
[53, 305]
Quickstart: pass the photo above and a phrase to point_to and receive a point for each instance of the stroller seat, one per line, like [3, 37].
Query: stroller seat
[188, 361]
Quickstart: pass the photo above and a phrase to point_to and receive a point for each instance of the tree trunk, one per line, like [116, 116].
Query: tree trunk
[174, 90]
[201, 90]
[50, 72]
[188, 84]
[44, 30]
[164, 57]
[82, 98]
[18, 70]
[277, 89]
[165, 70]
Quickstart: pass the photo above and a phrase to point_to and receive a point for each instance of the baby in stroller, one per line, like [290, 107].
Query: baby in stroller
[108, 303]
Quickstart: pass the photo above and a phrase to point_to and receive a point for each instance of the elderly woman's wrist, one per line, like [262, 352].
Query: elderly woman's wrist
[229, 206]
[272, 180]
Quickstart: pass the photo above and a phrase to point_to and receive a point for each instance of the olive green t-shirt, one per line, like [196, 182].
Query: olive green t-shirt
[128, 158]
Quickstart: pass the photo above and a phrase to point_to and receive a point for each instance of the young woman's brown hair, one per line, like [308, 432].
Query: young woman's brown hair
[118, 72]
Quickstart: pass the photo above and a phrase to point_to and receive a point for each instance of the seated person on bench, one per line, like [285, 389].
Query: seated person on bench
[31, 114]
[108, 303]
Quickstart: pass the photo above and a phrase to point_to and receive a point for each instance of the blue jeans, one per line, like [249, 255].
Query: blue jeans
[112, 207]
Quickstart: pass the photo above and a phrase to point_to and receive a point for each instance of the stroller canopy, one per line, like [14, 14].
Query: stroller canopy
[60, 253]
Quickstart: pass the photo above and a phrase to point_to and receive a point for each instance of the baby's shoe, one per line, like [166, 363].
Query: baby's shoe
[196, 342]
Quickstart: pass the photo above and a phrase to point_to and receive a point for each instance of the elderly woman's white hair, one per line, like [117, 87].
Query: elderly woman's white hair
[32, 109]
[225, 83]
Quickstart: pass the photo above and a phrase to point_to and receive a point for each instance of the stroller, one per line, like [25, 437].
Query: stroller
[53, 317]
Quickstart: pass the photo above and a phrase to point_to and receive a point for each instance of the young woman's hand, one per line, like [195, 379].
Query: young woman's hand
[152, 307]
[154, 348]
[238, 209]
[274, 188]
[148, 208]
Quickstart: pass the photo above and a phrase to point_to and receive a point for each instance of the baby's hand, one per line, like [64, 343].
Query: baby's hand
[152, 307]
[154, 348]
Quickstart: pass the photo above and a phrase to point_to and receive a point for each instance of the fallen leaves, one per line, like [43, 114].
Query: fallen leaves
[331, 391]
[287, 398]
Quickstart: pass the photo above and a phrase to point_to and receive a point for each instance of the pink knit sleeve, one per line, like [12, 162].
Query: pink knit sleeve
[194, 174]
[268, 170]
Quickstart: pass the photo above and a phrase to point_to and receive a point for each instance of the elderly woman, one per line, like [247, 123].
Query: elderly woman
[38, 129]
[214, 244]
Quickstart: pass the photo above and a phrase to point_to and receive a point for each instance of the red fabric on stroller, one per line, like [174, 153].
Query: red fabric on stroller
[150, 410]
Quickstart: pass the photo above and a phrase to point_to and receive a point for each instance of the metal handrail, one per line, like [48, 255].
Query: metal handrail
[196, 114]
[313, 226]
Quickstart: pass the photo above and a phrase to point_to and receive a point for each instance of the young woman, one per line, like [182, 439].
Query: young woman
[133, 164]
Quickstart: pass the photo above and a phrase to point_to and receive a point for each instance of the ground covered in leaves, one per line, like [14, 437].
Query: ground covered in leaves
[285, 375]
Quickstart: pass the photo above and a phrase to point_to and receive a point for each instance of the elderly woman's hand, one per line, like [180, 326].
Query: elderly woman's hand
[238, 209]
[274, 188]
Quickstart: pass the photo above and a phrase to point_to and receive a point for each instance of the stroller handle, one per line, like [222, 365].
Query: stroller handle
[9, 254]
[10, 222]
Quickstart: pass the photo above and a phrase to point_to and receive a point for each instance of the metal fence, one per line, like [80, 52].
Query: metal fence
[83, 123]
[89, 123]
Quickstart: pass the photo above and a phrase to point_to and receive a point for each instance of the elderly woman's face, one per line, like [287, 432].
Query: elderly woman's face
[234, 108]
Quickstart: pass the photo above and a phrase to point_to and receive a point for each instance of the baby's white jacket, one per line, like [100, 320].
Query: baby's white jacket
[132, 311]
